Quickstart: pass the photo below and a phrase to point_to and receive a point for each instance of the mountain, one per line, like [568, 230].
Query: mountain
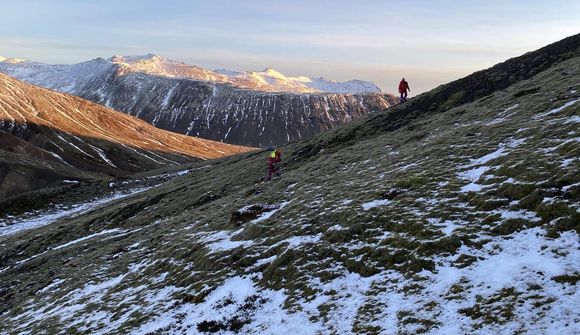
[454, 213]
[251, 108]
[69, 135]
[268, 80]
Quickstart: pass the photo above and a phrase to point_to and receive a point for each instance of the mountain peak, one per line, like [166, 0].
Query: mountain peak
[134, 59]
[273, 73]
[11, 60]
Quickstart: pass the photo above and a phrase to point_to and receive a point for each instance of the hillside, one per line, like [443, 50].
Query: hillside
[250, 108]
[48, 137]
[454, 213]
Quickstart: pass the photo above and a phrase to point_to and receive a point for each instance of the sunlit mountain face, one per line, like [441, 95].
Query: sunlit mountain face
[256, 108]
[75, 133]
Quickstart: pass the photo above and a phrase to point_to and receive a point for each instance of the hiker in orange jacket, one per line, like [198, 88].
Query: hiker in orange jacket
[403, 88]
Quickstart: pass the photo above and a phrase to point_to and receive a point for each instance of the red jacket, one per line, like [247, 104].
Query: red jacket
[403, 86]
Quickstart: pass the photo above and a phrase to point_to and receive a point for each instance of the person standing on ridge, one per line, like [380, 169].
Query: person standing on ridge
[273, 158]
[403, 88]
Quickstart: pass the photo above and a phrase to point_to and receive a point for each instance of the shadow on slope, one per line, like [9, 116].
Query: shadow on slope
[37, 156]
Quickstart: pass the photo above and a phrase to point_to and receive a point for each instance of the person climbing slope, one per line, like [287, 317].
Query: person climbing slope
[403, 88]
[274, 157]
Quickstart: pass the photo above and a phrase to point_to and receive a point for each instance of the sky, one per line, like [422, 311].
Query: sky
[427, 42]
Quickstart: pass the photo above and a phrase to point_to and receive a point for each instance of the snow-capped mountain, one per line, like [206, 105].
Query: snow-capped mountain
[274, 81]
[268, 80]
[11, 60]
[157, 65]
[47, 126]
[250, 108]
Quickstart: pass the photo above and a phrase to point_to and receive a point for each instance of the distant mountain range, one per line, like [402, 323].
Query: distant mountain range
[268, 80]
[48, 137]
[248, 108]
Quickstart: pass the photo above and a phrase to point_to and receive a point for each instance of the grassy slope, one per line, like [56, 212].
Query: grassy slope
[339, 266]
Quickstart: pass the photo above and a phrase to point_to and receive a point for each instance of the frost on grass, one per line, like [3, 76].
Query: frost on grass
[556, 110]
[375, 203]
[237, 305]
[222, 240]
[477, 167]
[45, 219]
[266, 215]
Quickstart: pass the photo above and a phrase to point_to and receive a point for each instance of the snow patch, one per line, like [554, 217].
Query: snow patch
[236, 298]
[556, 110]
[266, 215]
[43, 220]
[375, 203]
[222, 241]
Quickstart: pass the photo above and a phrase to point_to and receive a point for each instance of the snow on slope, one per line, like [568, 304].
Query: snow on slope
[272, 80]
[326, 253]
[489, 284]
[63, 78]
[268, 80]
[158, 65]
[66, 78]
[11, 60]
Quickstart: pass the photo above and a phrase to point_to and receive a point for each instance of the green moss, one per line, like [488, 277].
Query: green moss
[411, 182]
[527, 91]
[497, 309]
[556, 210]
[532, 200]
[464, 261]
[571, 279]
[517, 191]
[510, 226]
[453, 100]
[445, 245]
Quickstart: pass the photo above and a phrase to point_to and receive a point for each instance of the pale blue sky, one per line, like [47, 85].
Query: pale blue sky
[428, 42]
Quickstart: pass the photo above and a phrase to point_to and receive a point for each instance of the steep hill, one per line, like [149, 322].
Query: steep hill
[72, 134]
[455, 213]
[252, 108]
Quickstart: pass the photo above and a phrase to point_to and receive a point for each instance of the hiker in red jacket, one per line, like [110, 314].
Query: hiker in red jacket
[403, 88]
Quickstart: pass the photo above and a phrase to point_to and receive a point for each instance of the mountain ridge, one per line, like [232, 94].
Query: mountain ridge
[215, 110]
[88, 136]
[254, 80]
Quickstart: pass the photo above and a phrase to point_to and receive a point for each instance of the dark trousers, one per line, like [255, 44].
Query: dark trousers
[271, 170]
[403, 96]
